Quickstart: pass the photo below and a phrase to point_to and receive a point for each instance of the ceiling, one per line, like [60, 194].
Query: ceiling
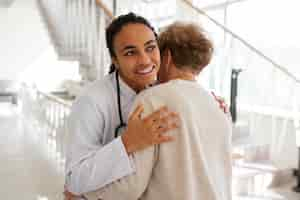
[6, 3]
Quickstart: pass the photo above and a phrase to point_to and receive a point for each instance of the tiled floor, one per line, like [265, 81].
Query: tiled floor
[282, 193]
[30, 170]
[258, 184]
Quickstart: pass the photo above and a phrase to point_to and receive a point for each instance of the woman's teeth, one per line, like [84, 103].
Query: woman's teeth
[146, 70]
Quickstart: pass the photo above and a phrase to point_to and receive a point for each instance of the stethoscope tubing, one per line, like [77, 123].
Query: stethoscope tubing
[122, 124]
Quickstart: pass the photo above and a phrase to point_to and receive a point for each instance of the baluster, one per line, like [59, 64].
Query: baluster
[101, 49]
[79, 23]
[69, 26]
[72, 21]
[296, 119]
[93, 31]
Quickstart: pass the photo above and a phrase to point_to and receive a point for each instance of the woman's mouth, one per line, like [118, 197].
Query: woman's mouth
[145, 71]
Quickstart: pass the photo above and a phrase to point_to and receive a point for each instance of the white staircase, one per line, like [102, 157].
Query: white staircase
[77, 30]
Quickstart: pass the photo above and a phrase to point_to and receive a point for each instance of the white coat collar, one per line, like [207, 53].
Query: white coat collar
[126, 91]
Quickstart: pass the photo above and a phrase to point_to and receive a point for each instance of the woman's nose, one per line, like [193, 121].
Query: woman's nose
[144, 58]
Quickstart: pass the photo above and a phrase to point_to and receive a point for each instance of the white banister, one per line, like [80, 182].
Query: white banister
[49, 113]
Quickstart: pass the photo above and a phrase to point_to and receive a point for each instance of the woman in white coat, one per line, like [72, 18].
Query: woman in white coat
[100, 146]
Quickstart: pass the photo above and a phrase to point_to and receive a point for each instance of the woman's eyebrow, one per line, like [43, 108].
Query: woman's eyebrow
[128, 47]
[149, 42]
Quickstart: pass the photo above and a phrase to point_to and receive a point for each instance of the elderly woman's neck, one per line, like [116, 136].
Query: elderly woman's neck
[183, 74]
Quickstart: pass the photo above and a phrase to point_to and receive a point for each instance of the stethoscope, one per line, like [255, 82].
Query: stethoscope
[122, 123]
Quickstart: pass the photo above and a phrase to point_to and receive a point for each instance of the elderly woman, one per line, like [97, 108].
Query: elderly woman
[197, 165]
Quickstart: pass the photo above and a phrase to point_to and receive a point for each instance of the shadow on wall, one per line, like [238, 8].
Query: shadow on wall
[9, 91]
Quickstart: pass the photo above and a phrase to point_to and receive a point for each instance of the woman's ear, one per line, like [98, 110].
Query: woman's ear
[169, 56]
[115, 62]
[166, 58]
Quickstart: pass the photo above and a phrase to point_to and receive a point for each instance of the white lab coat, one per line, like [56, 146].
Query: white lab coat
[94, 157]
[197, 165]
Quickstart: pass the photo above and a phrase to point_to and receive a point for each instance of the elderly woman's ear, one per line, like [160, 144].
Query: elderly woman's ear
[166, 57]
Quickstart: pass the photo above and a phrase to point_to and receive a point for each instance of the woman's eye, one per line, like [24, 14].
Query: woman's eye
[151, 48]
[129, 53]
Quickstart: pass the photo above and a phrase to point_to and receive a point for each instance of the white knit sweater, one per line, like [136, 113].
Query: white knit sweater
[196, 166]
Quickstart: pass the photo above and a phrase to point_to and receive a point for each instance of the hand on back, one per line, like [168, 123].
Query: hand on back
[142, 133]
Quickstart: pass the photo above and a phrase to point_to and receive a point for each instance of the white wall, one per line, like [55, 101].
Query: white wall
[272, 27]
[23, 38]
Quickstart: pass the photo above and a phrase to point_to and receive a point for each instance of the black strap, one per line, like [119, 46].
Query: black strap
[119, 104]
[119, 98]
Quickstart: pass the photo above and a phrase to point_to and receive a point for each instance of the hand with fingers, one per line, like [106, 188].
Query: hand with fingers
[70, 196]
[142, 133]
[222, 104]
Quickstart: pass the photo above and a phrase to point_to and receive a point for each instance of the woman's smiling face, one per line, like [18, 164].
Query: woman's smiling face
[137, 56]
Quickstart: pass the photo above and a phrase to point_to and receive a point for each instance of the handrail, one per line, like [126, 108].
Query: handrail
[251, 47]
[269, 111]
[55, 99]
[105, 9]
[50, 96]
[221, 5]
